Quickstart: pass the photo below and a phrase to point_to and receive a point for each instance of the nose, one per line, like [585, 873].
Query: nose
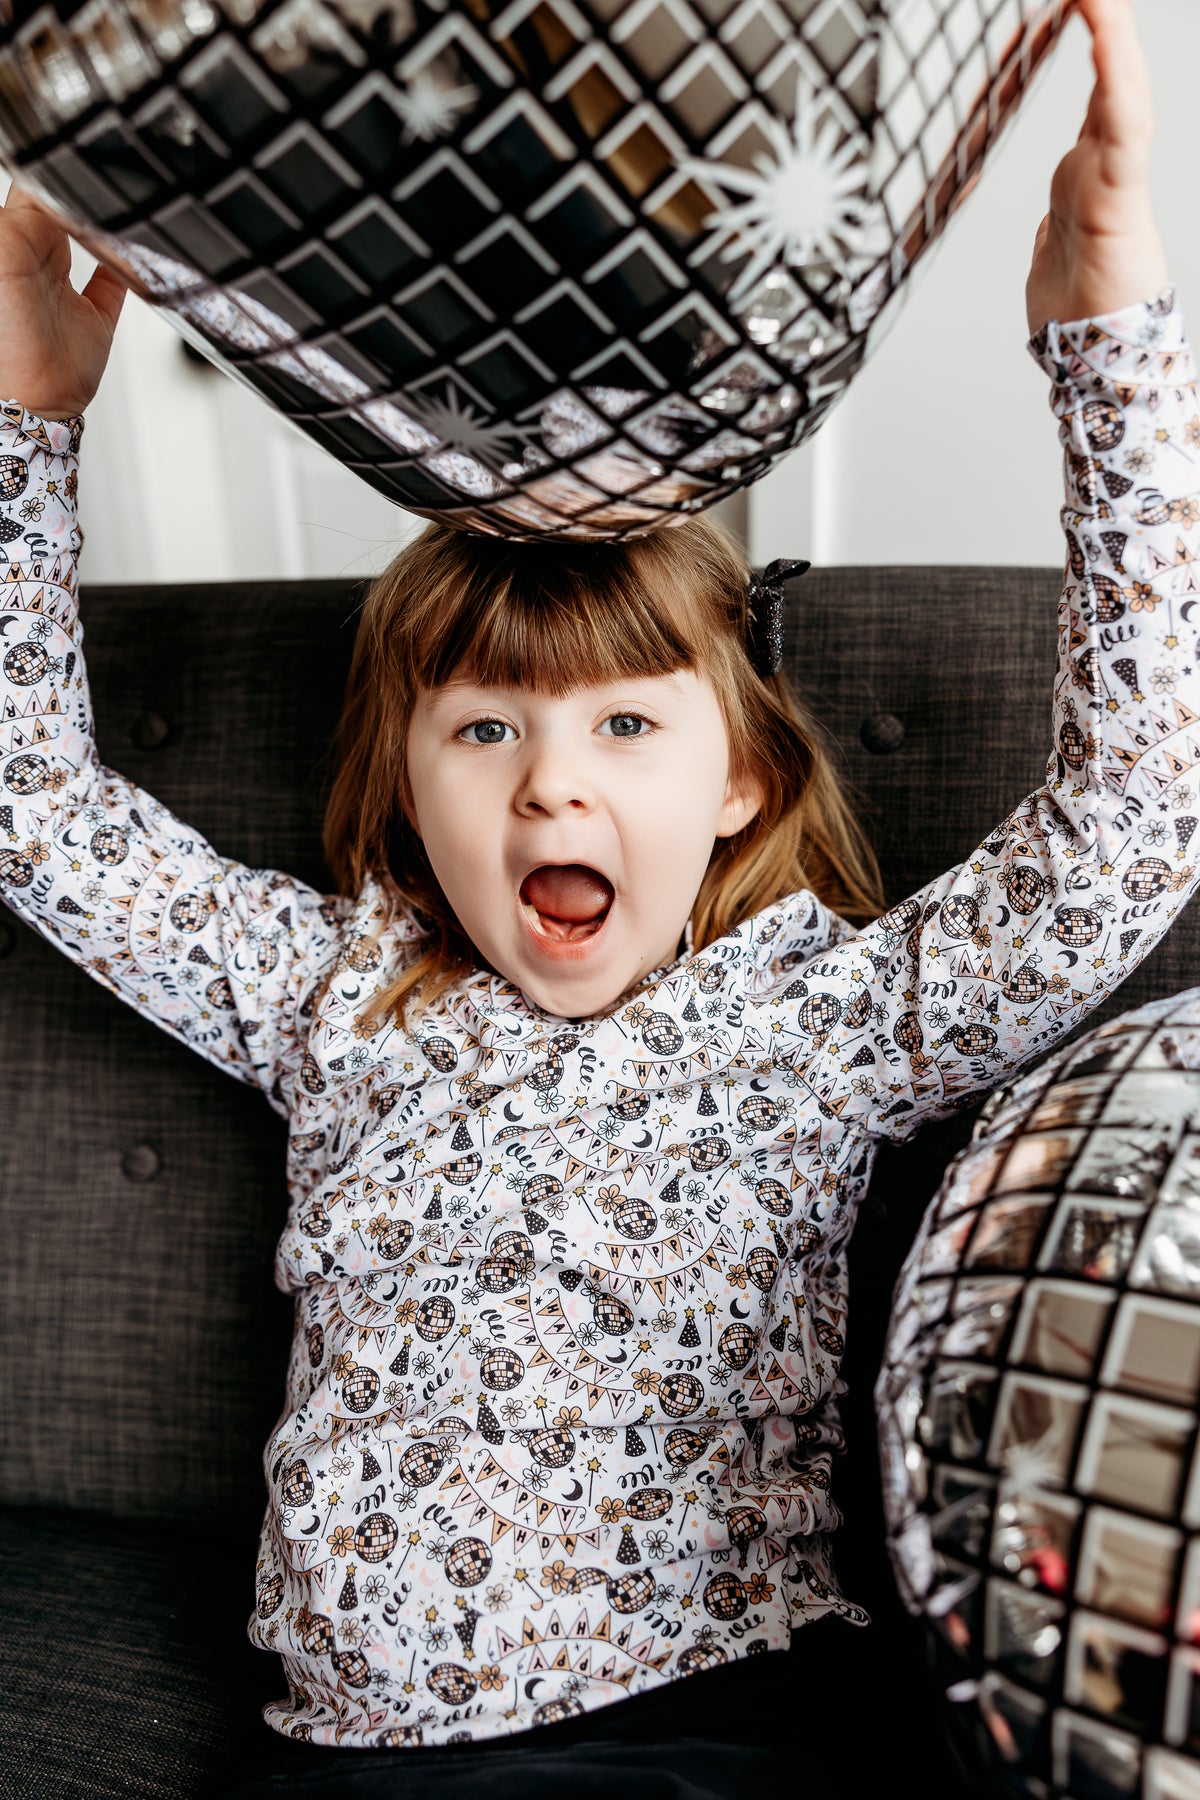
[553, 780]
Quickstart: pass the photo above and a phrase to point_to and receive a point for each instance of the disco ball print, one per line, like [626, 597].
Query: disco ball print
[1038, 1409]
[544, 268]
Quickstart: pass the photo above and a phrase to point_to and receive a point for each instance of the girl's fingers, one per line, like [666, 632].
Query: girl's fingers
[1121, 113]
[106, 292]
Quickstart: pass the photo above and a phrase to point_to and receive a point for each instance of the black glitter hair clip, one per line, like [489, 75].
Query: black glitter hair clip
[764, 614]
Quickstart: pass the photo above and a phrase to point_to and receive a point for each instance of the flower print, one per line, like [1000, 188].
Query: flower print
[93, 893]
[393, 1394]
[497, 1597]
[436, 1637]
[536, 1477]
[33, 508]
[342, 1365]
[1141, 597]
[862, 1084]
[646, 1380]
[340, 1540]
[610, 1511]
[37, 850]
[1163, 680]
[657, 1544]
[1185, 512]
[341, 1465]
[406, 1498]
[1182, 797]
[664, 1320]
[490, 1678]
[349, 1631]
[609, 1198]
[759, 1590]
[1139, 461]
[436, 1551]
[605, 1434]
[94, 816]
[1153, 833]
[423, 1364]
[569, 1418]
[406, 1312]
[374, 1588]
[672, 1218]
[512, 1411]
[559, 1577]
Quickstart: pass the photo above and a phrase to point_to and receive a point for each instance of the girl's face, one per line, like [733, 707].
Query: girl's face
[570, 835]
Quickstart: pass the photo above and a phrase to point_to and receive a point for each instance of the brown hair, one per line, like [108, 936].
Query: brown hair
[558, 616]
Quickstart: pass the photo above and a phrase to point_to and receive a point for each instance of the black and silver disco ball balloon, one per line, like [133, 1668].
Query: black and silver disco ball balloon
[1038, 1410]
[567, 268]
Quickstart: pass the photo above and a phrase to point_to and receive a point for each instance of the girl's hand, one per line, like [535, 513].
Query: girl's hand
[54, 342]
[1098, 249]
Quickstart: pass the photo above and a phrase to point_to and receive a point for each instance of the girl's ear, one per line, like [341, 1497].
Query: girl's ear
[743, 801]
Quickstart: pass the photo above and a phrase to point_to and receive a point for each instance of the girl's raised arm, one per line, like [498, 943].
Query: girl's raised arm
[987, 966]
[215, 952]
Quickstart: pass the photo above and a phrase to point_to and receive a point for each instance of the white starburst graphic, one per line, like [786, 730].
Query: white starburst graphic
[805, 202]
[429, 107]
[456, 423]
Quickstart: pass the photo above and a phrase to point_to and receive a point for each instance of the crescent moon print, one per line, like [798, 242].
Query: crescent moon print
[570, 1303]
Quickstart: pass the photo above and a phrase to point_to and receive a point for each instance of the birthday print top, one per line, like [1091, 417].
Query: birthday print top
[570, 1296]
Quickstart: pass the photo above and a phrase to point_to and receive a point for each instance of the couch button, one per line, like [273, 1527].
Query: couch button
[150, 731]
[8, 939]
[141, 1162]
[881, 733]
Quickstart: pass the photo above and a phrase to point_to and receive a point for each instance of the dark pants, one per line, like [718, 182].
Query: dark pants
[826, 1718]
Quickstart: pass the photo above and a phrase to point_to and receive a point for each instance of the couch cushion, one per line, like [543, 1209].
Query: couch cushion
[124, 1663]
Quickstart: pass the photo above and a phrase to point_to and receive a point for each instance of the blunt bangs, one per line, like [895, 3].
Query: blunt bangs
[558, 618]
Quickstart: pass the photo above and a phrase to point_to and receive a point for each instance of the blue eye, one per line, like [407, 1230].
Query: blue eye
[627, 725]
[485, 731]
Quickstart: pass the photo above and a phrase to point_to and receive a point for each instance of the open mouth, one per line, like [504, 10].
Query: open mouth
[566, 901]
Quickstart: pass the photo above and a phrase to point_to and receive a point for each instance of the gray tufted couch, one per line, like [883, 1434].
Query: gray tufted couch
[142, 1345]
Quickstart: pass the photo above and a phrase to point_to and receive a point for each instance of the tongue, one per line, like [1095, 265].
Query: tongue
[567, 898]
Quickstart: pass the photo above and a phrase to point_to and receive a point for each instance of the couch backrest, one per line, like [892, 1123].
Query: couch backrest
[142, 1345]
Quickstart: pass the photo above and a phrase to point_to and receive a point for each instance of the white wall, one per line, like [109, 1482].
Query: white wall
[188, 476]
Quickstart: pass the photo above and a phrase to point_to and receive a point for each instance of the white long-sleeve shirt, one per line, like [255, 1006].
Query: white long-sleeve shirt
[570, 1298]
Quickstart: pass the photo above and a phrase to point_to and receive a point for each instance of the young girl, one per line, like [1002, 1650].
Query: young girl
[584, 1065]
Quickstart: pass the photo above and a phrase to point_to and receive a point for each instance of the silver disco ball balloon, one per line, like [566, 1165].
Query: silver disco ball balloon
[568, 268]
[1039, 1408]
